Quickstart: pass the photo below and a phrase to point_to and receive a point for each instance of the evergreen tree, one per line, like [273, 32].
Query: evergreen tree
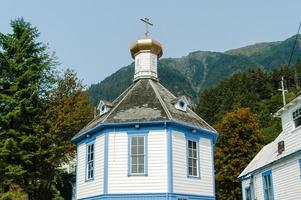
[68, 111]
[25, 77]
[239, 140]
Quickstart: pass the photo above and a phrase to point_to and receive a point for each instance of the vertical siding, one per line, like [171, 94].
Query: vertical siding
[94, 187]
[286, 180]
[118, 179]
[183, 184]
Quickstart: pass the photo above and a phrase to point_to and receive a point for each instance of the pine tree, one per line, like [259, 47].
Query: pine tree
[25, 77]
[239, 140]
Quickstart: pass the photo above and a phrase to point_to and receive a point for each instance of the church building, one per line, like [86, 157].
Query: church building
[147, 144]
[275, 172]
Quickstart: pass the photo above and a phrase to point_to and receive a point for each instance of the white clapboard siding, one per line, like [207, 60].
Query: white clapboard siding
[183, 184]
[95, 187]
[286, 180]
[244, 185]
[118, 179]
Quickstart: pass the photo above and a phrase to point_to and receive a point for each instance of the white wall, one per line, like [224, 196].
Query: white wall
[183, 184]
[145, 65]
[245, 184]
[118, 179]
[286, 180]
[94, 187]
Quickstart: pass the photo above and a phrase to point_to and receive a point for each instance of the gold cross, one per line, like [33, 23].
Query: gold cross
[147, 23]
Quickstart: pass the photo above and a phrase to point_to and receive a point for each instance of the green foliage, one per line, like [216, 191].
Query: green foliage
[254, 88]
[25, 77]
[239, 140]
[40, 112]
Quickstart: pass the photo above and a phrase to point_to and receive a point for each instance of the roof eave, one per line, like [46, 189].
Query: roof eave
[81, 136]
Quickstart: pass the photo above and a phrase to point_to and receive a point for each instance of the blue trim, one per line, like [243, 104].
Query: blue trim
[212, 165]
[144, 134]
[106, 157]
[246, 192]
[131, 125]
[76, 172]
[296, 153]
[267, 173]
[149, 196]
[194, 138]
[89, 143]
[169, 160]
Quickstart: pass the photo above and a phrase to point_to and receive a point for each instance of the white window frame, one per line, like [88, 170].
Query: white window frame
[90, 161]
[131, 155]
[197, 159]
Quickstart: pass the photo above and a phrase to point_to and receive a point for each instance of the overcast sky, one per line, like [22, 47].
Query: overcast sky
[93, 36]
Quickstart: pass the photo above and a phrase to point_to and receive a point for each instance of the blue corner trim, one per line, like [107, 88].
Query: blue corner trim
[145, 135]
[169, 160]
[106, 157]
[76, 172]
[267, 173]
[213, 167]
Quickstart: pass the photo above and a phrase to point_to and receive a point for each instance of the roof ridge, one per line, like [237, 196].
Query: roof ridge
[191, 111]
[161, 100]
[197, 116]
[130, 87]
[114, 108]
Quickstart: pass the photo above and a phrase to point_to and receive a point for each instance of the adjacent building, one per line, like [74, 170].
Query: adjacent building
[147, 143]
[275, 172]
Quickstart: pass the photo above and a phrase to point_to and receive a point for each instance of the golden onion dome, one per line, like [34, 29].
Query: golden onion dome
[146, 44]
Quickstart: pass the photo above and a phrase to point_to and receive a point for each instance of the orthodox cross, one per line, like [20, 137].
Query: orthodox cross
[283, 90]
[147, 23]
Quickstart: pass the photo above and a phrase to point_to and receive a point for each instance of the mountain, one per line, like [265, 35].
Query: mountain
[191, 74]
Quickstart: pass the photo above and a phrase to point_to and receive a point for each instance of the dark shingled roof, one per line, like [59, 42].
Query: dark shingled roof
[147, 100]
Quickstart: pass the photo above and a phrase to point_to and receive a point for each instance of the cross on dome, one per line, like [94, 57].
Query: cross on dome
[147, 23]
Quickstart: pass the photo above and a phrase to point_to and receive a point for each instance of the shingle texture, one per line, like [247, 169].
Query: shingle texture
[147, 100]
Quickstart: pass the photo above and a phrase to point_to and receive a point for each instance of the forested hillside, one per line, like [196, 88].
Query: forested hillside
[241, 109]
[191, 74]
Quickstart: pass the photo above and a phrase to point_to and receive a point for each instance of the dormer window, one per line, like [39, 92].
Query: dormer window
[297, 117]
[181, 103]
[103, 107]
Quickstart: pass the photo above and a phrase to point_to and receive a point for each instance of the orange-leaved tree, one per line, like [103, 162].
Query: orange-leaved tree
[239, 140]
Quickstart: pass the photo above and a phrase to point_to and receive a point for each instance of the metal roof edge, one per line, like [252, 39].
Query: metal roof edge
[241, 177]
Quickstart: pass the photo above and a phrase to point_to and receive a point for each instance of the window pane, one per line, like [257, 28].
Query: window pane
[190, 153]
[141, 160]
[134, 160]
[194, 153]
[134, 168]
[134, 140]
[190, 171]
[189, 144]
[141, 169]
[140, 140]
[134, 150]
[194, 145]
[141, 149]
